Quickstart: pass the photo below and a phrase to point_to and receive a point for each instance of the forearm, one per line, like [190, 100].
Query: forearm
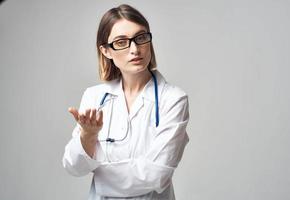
[89, 143]
[132, 177]
[76, 160]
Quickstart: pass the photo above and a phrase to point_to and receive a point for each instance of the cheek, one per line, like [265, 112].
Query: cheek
[147, 54]
[119, 60]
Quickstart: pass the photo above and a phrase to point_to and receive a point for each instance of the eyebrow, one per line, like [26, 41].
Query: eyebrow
[125, 36]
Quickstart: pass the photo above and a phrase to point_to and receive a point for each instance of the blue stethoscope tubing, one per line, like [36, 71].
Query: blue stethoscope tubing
[156, 103]
[156, 99]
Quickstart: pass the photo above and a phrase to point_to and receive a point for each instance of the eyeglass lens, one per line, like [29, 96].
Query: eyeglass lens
[125, 43]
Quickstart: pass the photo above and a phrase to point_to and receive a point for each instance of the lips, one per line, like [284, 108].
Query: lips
[136, 59]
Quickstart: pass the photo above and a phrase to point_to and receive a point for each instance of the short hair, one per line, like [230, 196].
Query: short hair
[107, 69]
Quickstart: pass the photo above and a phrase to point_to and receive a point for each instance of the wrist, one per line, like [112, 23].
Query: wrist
[88, 137]
[89, 142]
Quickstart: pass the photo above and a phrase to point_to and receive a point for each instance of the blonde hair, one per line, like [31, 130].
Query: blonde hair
[107, 69]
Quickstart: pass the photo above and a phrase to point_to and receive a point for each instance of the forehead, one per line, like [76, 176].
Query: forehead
[124, 27]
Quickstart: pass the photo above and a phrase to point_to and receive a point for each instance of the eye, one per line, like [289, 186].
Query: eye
[121, 43]
[141, 38]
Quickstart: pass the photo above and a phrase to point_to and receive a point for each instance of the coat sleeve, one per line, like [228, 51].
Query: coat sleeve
[75, 160]
[153, 171]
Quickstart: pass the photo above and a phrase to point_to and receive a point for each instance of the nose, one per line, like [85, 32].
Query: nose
[134, 48]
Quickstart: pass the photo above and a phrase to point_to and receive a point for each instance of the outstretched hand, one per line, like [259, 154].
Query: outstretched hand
[91, 121]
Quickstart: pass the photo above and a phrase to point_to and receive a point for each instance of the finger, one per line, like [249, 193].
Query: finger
[74, 112]
[82, 118]
[99, 118]
[87, 117]
[93, 116]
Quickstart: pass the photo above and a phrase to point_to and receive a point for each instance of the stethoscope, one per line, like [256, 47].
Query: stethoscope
[156, 112]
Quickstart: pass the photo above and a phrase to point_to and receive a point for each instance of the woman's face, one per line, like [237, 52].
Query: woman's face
[133, 59]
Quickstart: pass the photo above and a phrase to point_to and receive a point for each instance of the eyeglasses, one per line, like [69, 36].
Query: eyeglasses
[126, 42]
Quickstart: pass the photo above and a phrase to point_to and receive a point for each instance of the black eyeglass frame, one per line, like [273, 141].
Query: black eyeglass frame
[130, 41]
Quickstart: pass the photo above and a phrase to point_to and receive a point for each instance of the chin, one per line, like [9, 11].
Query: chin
[134, 68]
[137, 68]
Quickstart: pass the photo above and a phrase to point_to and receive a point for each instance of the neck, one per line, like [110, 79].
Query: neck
[133, 84]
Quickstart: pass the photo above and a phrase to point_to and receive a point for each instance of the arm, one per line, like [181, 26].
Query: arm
[90, 125]
[153, 171]
[82, 147]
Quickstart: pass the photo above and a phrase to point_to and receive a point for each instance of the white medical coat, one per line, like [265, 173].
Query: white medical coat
[141, 165]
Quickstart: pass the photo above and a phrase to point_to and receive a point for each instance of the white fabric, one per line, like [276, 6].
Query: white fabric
[140, 166]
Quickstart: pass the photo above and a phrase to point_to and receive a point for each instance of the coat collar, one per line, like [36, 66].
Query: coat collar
[115, 87]
[149, 89]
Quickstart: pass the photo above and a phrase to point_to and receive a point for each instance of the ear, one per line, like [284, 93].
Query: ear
[105, 51]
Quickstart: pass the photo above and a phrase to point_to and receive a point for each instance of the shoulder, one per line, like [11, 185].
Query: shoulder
[174, 105]
[96, 92]
[102, 87]
[168, 90]
[96, 89]
[173, 91]
[172, 96]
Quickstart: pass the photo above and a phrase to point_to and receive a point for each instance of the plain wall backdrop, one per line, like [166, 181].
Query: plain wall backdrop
[231, 57]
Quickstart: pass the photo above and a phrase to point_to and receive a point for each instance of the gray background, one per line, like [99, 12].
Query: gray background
[231, 57]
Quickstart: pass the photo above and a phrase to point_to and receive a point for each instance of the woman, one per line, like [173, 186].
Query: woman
[131, 130]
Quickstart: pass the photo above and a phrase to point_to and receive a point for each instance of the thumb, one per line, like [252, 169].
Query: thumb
[74, 112]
